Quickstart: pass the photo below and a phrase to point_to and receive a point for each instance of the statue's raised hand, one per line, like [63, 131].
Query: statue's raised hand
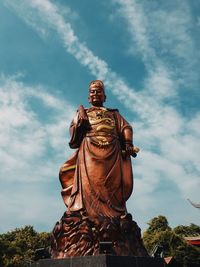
[82, 117]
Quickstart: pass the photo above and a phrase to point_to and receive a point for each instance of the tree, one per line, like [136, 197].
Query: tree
[159, 223]
[157, 233]
[18, 246]
[172, 240]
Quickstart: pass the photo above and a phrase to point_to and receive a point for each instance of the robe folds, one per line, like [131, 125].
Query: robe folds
[98, 177]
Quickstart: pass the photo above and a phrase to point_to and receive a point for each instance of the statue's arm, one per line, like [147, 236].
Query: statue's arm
[78, 128]
[127, 135]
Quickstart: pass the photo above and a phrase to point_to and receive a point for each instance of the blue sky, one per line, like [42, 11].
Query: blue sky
[147, 54]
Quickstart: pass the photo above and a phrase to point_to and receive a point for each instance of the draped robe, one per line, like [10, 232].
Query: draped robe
[98, 177]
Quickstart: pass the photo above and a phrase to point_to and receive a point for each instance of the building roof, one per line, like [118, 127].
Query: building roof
[193, 240]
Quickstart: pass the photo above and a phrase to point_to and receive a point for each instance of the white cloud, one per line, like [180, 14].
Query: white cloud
[30, 204]
[167, 169]
[160, 83]
[45, 16]
[23, 135]
[137, 26]
[31, 152]
[162, 34]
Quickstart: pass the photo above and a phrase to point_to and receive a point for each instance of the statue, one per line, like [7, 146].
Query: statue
[97, 181]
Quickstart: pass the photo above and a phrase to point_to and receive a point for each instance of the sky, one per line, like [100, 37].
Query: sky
[147, 55]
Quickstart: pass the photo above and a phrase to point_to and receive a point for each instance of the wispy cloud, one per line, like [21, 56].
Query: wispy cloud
[162, 33]
[24, 137]
[45, 16]
[160, 80]
[31, 151]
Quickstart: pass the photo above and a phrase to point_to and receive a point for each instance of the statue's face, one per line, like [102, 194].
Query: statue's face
[96, 96]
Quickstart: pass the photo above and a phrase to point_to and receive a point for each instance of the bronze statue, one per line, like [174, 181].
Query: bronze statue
[97, 181]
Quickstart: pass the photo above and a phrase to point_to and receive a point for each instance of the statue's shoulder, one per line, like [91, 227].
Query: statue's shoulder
[115, 112]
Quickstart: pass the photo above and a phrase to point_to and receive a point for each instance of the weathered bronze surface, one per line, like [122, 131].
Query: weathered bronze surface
[97, 181]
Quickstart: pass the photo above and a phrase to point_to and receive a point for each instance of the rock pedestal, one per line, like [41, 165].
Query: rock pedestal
[76, 235]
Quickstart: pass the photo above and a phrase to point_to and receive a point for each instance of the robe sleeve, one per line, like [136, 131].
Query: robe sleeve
[127, 178]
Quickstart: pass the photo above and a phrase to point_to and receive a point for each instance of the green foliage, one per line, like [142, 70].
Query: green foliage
[18, 246]
[172, 240]
[159, 223]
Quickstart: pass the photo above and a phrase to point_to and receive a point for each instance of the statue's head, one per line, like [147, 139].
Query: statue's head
[96, 93]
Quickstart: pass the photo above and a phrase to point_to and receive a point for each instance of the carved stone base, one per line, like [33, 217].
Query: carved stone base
[101, 261]
[76, 235]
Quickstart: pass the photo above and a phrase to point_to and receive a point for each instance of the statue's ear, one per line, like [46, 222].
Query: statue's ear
[104, 98]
